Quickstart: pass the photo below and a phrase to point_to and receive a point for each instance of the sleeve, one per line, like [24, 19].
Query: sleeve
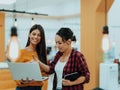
[83, 68]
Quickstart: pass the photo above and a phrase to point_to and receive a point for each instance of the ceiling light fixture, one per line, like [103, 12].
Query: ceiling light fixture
[22, 12]
[15, 23]
[32, 22]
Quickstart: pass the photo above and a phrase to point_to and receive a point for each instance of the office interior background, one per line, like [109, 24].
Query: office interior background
[60, 13]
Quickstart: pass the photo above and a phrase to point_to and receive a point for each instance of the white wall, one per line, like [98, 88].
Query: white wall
[114, 27]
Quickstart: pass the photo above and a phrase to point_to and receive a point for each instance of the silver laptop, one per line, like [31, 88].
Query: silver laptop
[26, 70]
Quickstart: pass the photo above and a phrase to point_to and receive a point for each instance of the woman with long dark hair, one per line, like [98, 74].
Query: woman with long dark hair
[35, 47]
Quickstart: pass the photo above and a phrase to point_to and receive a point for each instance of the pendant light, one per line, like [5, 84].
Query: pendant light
[32, 22]
[105, 39]
[13, 46]
[15, 23]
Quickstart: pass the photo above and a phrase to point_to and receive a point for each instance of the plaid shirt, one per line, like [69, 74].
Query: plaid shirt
[76, 63]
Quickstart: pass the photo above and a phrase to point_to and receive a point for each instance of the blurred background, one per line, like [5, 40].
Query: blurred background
[53, 15]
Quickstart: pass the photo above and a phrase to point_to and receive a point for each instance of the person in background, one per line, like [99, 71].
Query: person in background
[53, 53]
[49, 49]
[67, 61]
[35, 47]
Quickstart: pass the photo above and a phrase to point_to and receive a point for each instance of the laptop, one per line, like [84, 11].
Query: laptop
[26, 70]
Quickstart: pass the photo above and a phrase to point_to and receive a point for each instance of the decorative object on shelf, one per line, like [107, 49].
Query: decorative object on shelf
[116, 61]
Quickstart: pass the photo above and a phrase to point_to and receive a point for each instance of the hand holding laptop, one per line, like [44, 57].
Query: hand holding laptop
[27, 81]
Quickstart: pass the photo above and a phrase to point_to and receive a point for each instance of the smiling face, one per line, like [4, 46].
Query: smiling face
[63, 46]
[35, 37]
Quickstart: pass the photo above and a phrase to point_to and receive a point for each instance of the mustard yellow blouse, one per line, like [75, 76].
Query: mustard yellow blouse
[27, 56]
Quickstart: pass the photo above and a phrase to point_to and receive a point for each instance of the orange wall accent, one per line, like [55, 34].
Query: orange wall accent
[92, 22]
[2, 37]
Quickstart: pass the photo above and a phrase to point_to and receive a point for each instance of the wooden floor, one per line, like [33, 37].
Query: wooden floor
[6, 82]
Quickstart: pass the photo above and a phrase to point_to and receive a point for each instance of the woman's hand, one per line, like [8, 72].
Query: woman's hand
[27, 81]
[66, 82]
[45, 67]
[34, 59]
[31, 61]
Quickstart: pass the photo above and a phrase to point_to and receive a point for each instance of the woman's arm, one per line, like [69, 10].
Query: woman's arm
[83, 68]
[45, 67]
[71, 83]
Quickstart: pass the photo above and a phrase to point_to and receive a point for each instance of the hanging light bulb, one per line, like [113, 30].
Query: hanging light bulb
[15, 24]
[13, 47]
[105, 40]
[32, 23]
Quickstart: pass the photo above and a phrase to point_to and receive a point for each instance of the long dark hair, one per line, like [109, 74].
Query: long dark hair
[41, 46]
[66, 33]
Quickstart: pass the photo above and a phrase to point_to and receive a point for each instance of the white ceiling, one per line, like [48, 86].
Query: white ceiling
[50, 7]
